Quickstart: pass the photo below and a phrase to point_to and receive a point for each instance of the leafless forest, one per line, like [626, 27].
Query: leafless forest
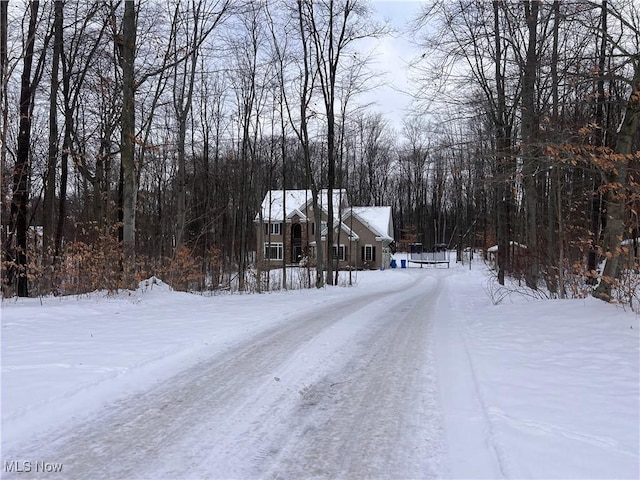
[139, 138]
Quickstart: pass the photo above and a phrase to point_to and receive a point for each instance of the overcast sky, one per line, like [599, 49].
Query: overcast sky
[393, 53]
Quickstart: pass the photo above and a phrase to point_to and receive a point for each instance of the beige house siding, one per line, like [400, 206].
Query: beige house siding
[363, 248]
[362, 256]
[293, 237]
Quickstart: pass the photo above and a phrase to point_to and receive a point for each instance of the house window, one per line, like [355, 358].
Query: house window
[339, 252]
[323, 225]
[274, 228]
[369, 253]
[273, 251]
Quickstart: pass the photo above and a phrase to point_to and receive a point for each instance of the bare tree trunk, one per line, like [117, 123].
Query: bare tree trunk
[617, 197]
[64, 168]
[336, 259]
[22, 170]
[530, 126]
[182, 101]
[50, 186]
[560, 237]
[600, 140]
[327, 59]
[332, 28]
[284, 215]
[64, 161]
[4, 80]
[283, 152]
[127, 147]
[181, 214]
[317, 218]
[554, 234]
[331, 183]
[502, 149]
[4, 105]
[303, 136]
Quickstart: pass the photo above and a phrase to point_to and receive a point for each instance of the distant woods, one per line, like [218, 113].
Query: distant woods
[139, 138]
[540, 101]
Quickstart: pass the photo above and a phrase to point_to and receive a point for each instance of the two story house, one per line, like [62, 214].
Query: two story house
[287, 227]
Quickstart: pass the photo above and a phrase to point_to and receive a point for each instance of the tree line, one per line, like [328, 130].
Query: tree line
[552, 90]
[139, 138]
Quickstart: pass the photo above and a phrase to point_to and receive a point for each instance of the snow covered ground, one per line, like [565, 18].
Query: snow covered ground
[413, 373]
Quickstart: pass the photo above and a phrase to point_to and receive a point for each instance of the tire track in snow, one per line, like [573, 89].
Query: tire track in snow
[377, 416]
[465, 405]
[177, 428]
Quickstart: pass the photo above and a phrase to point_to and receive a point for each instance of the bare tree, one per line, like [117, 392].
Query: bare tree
[307, 82]
[50, 185]
[4, 82]
[22, 170]
[618, 177]
[250, 79]
[193, 25]
[334, 26]
[127, 142]
[531, 149]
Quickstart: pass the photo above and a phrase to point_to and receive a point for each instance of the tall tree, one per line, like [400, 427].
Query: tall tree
[48, 223]
[127, 143]
[251, 77]
[76, 60]
[600, 141]
[531, 147]
[307, 81]
[280, 45]
[618, 179]
[193, 25]
[334, 26]
[22, 169]
[4, 81]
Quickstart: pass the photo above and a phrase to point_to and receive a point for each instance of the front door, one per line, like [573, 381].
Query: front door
[296, 243]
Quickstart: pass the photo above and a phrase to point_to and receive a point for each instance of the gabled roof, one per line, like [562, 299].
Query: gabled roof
[295, 202]
[376, 219]
[297, 212]
[323, 200]
[350, 233]
[272, 205]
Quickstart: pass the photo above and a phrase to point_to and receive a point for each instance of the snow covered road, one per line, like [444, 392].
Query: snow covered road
[348, 391]
[413, 373]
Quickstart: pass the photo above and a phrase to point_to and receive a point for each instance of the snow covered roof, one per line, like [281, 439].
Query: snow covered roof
[272, 205]
[377, 219]
[339, 197]
[295, 202]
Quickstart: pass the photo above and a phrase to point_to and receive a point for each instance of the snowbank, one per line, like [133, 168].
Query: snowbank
[557, 383]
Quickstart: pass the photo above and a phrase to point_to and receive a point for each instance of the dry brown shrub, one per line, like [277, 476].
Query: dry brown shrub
[183, 271]
[87, 267]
